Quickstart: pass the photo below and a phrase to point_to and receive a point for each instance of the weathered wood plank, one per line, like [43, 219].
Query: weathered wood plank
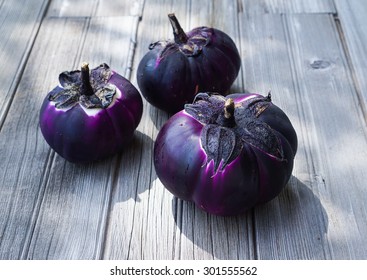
[141, 224]
[137, 226]
[120, 8]
[73, 214]
[162, 227]
[118, 209]
[305, 67]
[19, 24]
[215, 237]
[352, 15]
[337, 136]
[25, 157]
[80, 8]
[251, 7]
[280, 224]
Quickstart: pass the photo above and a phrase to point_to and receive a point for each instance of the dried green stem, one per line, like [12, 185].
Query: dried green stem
[86, 87]
[227, 118]
[178, 32]
[229, 108]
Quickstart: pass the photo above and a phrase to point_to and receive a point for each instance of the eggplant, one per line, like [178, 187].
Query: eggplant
[226, 154]
[90, 115]
[172, 72]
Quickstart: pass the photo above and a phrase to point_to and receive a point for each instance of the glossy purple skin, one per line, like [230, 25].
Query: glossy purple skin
[78, 137]
[171, 81]
[253, 177]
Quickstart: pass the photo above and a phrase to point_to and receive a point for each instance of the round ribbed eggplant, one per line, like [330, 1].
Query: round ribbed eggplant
[226, 154]
[90, 115]
[173, 72]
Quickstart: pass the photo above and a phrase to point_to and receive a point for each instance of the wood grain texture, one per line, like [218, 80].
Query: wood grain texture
[163, 227]
[80, 194]
[25, 157]
[141, 224]
[352, 16]
[281, 224]
[211, 236]
[336, 144]
[252, 7]
[118, 209]
[306, 70]
[85, 8]
[19, 24]
[69, 204]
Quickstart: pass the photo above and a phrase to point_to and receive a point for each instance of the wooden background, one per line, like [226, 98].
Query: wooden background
[312, 55]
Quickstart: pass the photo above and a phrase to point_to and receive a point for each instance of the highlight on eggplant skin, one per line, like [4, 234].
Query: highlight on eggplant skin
[90, 115]
[226, 154]
[172, 72]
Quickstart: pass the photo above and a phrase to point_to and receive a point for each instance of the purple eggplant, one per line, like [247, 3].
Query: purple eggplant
[90, 115]
[173, 72]
[226, 154]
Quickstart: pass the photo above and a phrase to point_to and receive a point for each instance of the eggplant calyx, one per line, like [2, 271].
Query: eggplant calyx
[228, 126]
[189, 45]
[89, 88]
[220, 145]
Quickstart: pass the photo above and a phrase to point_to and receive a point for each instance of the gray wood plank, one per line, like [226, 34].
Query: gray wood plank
[352, 16]
[321, 213]
[251, 7]
[132, 231]
[118, 209]
[19, 24]
[119, 8]
[141, 224]
[73, 213]
[80, 8]
[162, 227]
[67, 8]
[204, 236]
[25, 157]
[337, 144]
[280, 224]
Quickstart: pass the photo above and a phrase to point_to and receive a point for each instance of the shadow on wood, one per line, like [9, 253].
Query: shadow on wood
[131, 181]
[286, 215]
